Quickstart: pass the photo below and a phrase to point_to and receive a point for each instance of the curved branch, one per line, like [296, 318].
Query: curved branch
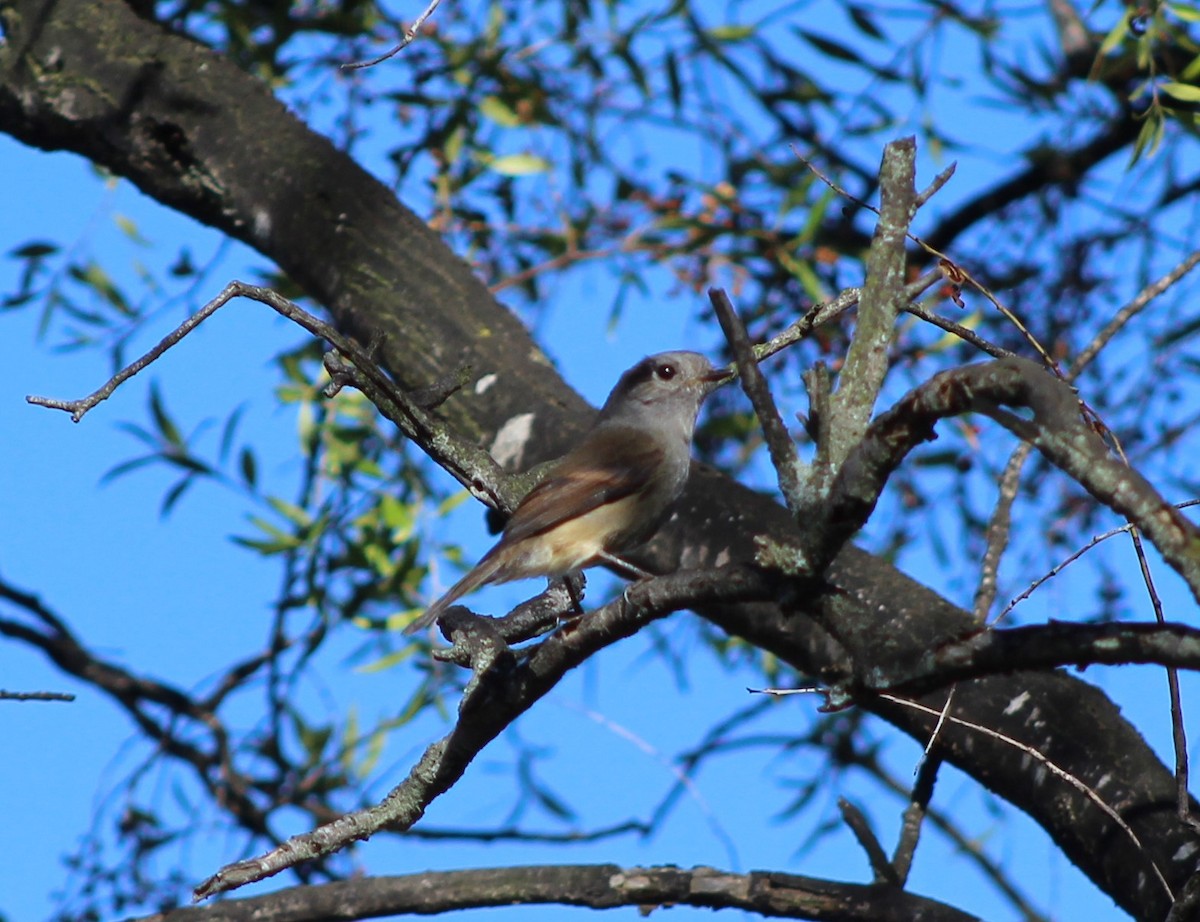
[768, 894]
[1057, 430]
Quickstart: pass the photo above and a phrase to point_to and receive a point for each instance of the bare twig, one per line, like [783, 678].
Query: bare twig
[35, 696]
[1058, 568]
[513, 834]
[998, 531]
[1122, 317]
[967, 335]
[79, 408]
[826, 311]
[410, 35]
[914, 815]
[472, 466]
[787, 463]
[881, 868]
[934, 187]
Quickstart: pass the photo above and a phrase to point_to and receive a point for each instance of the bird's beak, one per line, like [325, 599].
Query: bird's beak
[711, 380]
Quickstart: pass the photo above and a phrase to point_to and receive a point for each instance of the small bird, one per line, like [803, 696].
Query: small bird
[612, 491]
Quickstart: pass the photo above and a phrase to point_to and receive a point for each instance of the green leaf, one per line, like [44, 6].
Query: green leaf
[1185, 11]
[187, 462]
[519, 165]
[1150, 136]
[730, 33]
[1116, 34]
[285, 539]
[674, 83]
[1184, 92]
[552, 804]
[229, 430]
[379, 560]
[349, 740]
[290, 511]
[126, 467]
[266, 548]
[95, 278]
[453, 148]
[452, 502]
[830, 47]
[371, 757]
[496, 109]
[174, 495]
[816, 215]
[399, 517]
[388, 661]
[162, 419]
[313, 739]
[865, 24]
[130, 229]
[38, 249]
[249, 468]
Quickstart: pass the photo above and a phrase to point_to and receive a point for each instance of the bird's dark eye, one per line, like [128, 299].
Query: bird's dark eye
[665, 372]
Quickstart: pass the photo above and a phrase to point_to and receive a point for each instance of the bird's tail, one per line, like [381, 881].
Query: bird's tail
[483, 572]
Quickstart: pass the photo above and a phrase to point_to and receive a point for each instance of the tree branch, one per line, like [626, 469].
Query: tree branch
[881, 300]
[1056, 430]
[507, 696]
[768, 894]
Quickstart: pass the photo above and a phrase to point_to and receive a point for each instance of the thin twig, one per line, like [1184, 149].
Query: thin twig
[779, 441]
[914, 815]
[1032, 752]
[473, 467]
[957, 329]
[410, 35]
[817, 315]
[999, 529]
[959, 270]
[881, 868]
[1058, 568]
[35, 696]
[1129, 311]
[1178, 733]
[826, 311]
[79, 408]
[934, 187]
[1118, 322]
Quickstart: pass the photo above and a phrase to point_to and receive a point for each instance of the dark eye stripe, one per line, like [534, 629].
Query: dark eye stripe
[641, 372]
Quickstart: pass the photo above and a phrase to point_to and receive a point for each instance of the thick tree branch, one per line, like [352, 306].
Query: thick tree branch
[1049, 646]
[767, 894]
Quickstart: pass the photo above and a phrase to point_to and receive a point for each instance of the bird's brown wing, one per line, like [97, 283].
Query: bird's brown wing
[609, 464]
